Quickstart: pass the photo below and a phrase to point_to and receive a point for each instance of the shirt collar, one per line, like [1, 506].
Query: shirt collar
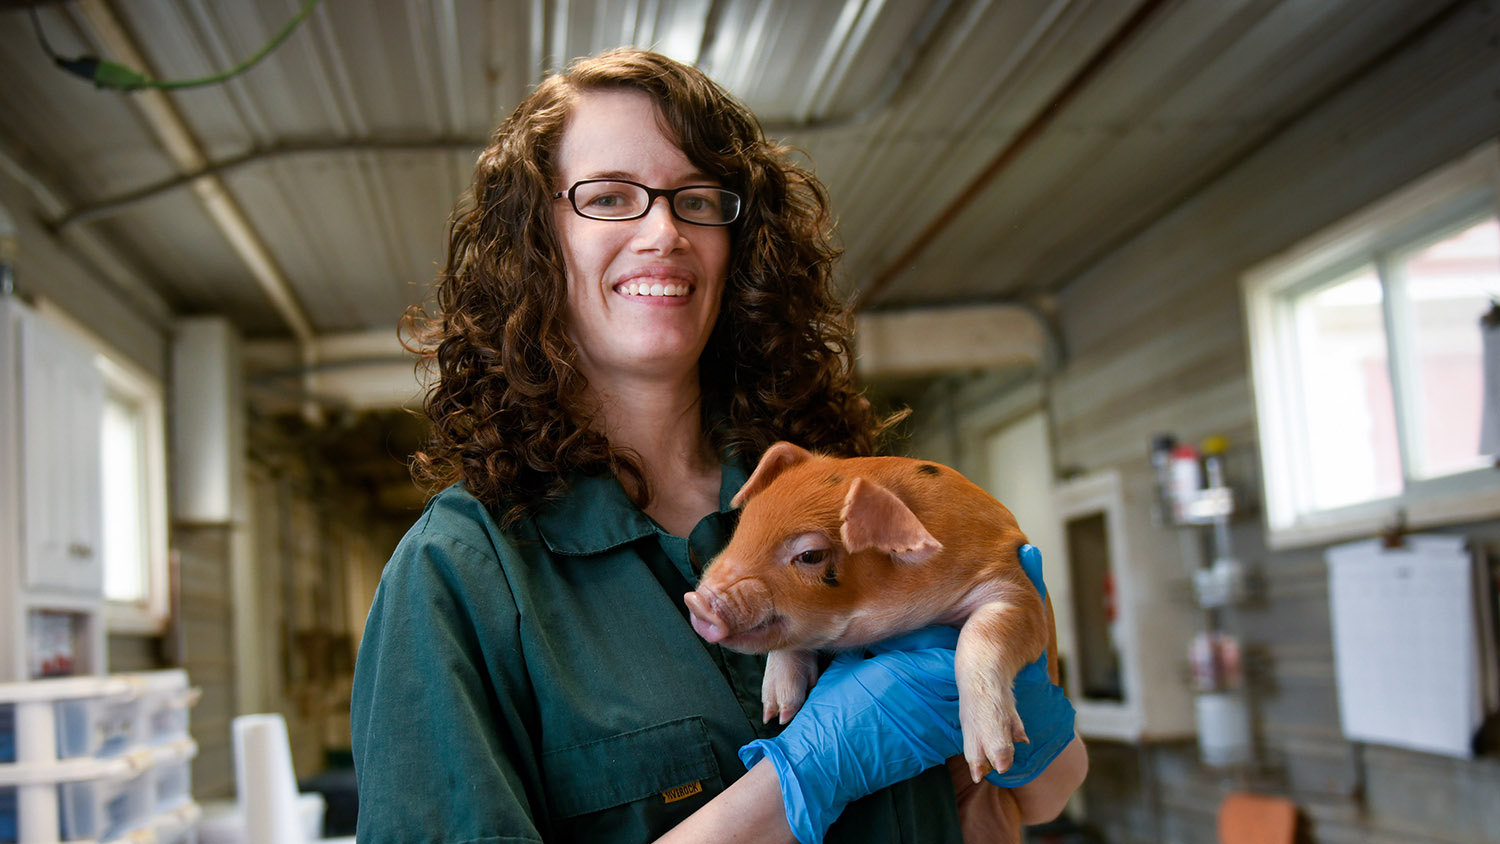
[730, 481]
[595, 515]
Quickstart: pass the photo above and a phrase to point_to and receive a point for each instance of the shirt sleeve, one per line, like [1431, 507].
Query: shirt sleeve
[441, 703]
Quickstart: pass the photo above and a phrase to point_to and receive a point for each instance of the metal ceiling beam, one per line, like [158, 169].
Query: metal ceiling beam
[940, 341]
[372, 370]
[179, 142]
[365, 370]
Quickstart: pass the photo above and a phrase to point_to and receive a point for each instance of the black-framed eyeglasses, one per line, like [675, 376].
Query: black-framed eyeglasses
[618, 199]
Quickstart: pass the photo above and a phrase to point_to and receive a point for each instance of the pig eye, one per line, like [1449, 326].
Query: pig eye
[811, 557]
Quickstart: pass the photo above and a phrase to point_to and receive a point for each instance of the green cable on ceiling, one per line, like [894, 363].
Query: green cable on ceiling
[117, 77]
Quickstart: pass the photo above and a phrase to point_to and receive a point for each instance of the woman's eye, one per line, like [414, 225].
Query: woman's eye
[812, 557]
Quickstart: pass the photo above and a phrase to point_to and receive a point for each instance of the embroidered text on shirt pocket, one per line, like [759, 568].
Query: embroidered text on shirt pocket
[651, 762]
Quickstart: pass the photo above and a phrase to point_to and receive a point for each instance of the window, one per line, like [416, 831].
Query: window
[132, 446]
[133, 479]
[1366, 350]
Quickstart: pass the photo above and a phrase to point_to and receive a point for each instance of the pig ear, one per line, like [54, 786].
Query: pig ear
[777, 457]
[875, 518]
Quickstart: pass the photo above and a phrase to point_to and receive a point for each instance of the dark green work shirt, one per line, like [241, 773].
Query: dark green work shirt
[544, 684]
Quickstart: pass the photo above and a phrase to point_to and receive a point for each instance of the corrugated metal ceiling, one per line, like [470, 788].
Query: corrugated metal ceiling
[975, 150]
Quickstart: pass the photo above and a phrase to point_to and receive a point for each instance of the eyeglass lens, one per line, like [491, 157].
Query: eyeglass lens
[608, 200]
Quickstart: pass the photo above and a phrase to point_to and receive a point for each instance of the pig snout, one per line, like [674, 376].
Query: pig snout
[725, 616]
[705, 621]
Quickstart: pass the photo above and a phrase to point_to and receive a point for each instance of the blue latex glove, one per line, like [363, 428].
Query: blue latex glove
[867, 724]
[871, 723]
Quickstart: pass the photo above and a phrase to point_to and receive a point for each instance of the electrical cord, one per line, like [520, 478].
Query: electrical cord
[117, 77]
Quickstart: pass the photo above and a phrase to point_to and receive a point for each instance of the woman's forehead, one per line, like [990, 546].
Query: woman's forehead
[620, 134]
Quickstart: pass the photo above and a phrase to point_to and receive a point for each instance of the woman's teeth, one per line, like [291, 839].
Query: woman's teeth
[634, 288]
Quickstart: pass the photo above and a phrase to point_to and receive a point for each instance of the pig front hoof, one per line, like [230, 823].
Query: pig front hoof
[789, 674]
[990, 732]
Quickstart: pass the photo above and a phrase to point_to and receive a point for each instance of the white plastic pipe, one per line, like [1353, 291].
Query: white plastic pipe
[267, 786]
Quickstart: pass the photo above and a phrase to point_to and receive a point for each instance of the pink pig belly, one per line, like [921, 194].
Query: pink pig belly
[905, 611]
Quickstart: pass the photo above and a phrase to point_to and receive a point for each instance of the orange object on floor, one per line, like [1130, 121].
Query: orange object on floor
[1246, 818]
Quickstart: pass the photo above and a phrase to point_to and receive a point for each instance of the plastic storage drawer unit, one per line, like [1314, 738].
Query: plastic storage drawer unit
[97, 759]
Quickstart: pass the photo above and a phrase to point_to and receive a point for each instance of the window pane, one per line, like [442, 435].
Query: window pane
[123, 453]
[1448, 286]
[1351, 448]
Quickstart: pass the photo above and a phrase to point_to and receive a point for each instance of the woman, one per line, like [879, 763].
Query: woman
[637, 301]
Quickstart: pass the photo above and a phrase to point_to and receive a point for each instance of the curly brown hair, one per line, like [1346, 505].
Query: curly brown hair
[508, 407]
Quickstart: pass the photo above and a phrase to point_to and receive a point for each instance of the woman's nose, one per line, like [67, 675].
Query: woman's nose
[659, 229]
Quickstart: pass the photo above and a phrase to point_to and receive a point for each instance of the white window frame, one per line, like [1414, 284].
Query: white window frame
[1445, 199]
[127, 380]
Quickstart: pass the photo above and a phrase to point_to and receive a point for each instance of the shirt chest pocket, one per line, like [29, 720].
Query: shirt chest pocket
[632, 786]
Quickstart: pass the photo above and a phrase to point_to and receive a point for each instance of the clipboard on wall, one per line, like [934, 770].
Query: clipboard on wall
[1413, 640]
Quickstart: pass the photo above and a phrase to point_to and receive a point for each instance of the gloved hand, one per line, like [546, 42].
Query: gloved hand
[872, 722]
[867, 724]
[1044, 709]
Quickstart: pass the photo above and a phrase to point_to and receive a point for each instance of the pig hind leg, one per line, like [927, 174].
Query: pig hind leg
[789, 674]
[997, 641]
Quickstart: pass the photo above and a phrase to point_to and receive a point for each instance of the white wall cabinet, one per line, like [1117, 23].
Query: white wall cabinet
[51, 521]
[1129, 612]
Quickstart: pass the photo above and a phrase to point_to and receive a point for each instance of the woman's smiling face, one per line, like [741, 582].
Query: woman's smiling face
[643, 294]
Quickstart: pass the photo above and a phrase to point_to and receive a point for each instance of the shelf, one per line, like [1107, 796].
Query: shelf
[76, 770]
[161, 828]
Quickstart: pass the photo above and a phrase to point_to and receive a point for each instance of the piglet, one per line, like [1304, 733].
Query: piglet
[832, 554]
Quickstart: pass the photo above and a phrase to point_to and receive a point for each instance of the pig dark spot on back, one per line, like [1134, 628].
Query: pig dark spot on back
[833, 480]
[929, 469]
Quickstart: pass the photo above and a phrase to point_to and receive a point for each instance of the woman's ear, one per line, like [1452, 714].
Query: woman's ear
[776, 459]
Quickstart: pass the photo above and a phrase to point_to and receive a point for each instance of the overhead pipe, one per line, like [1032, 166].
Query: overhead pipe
[179, 142]
[1018, 144]
[89, 212]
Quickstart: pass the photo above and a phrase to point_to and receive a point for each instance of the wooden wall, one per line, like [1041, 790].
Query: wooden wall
[1155, 342]
[202, 642]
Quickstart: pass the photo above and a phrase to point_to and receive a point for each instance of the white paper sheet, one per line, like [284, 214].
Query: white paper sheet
[1406, 643]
